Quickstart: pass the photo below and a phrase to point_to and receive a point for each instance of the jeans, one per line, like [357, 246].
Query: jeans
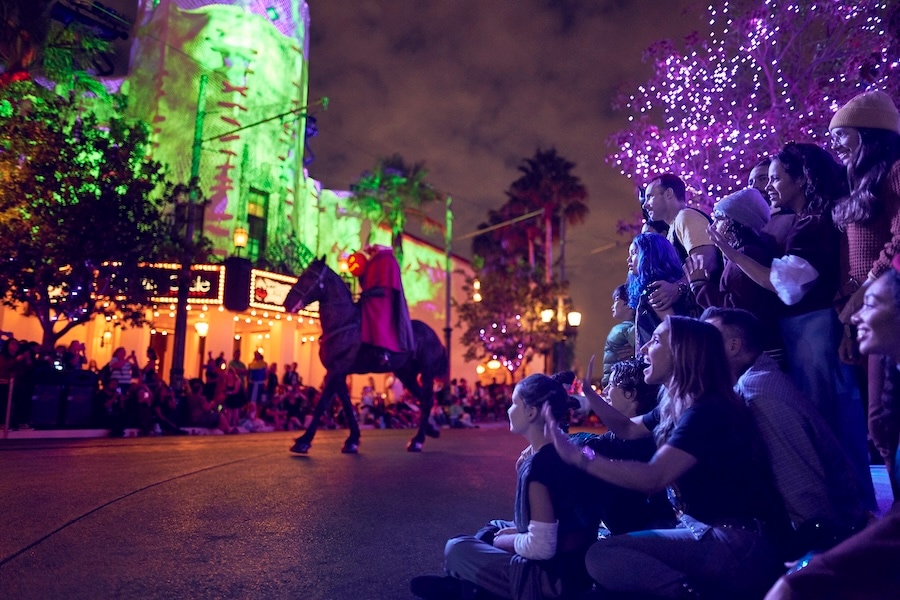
[476, 560]
[723, 562]
[811, 344]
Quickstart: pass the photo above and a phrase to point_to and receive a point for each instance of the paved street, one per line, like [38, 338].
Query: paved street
[239, 516]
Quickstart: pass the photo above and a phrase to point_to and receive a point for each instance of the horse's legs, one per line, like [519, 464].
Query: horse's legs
[351, 445]
[425, 394]
[302, 444]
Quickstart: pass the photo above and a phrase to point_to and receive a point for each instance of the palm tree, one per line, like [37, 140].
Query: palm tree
[547, 183]
[392, 192]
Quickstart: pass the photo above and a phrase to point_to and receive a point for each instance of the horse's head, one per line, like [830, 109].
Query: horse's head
[308, 288]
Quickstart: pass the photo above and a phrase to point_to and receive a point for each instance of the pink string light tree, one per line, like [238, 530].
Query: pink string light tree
[767, 72]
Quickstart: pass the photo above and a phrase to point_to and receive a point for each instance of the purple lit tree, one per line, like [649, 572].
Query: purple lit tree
[768, 72]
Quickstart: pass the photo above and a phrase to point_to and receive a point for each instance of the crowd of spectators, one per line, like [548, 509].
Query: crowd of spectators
[769, 327]
[230, 396]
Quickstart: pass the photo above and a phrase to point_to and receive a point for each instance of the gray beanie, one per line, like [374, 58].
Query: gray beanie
[874, 110]
[746, 207]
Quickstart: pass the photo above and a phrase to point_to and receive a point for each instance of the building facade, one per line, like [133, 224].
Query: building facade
[223, 86]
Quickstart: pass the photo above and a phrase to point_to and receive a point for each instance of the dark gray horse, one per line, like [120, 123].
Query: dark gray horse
[342, 353]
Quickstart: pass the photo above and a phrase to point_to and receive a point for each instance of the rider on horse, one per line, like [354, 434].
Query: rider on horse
[386, 325]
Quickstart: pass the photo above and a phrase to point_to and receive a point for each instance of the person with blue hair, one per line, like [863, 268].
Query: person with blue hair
[652, 258]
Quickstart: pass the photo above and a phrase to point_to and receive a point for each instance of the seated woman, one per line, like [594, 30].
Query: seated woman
[541, 553]
[651, 258]
[712, 463]
[740, 218]
[623, 510]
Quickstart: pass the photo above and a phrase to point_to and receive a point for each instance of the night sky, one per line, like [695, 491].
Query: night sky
[472, 87]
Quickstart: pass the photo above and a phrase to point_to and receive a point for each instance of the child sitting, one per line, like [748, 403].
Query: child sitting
[541, 553]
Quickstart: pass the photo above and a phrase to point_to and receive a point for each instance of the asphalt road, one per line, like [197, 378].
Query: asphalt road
[241, 517]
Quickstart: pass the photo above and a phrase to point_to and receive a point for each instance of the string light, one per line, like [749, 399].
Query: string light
[763, 76]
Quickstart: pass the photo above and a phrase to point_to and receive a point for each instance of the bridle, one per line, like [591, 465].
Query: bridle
[319, 282]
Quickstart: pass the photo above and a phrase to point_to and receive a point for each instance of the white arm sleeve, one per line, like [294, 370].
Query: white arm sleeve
[792, 277]
[540, 541]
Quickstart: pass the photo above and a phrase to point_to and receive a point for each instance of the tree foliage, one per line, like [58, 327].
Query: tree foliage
[80, 208]
[392, 192]
[547, 183]
[513, 264]
[769, 72]
[505, 322]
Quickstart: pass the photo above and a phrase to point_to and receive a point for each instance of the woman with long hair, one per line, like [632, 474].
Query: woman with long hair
[541, 553]
[806, 179]
[652, 258]
[624, 510]
[709, 459]
[865, 135]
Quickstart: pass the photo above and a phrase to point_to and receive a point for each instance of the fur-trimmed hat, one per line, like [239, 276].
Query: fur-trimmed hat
[875, 110]
[746, 207]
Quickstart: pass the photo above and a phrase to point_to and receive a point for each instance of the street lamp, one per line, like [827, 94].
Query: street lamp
[241, 236]
[187, 211]
[568, 324]
[574, 319]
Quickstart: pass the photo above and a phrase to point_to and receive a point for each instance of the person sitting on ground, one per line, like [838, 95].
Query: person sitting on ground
[540, 553]
[863, 566]
[624, 510]
[710, 459]
[620, 340]
[812, 473]
[203, 412]
[165, 410]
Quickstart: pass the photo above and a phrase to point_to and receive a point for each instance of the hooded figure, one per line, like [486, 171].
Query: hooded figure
[385, 315]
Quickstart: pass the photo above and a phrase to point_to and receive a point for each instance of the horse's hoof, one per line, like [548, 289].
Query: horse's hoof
[433, 432]
[414, 446]
[301, 446]
[350, 447]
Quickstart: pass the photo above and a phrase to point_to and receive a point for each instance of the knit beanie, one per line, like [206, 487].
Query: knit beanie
[746, 207]
[873, 109]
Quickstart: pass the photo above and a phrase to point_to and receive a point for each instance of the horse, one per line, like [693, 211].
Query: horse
[342, 353]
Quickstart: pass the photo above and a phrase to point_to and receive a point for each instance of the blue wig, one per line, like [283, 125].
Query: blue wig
[657, 260]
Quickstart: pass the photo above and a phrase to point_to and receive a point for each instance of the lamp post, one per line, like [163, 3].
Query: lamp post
[567, 326]
[176, 375]
[241, 236]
